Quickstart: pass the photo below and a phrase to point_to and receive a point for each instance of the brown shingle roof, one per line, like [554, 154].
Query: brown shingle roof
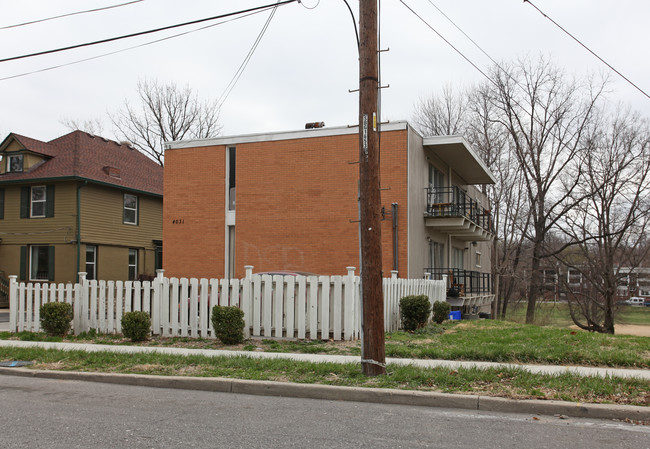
[82, 155]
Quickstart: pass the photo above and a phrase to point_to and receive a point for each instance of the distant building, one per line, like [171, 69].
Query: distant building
[78, 203]
[288, 201]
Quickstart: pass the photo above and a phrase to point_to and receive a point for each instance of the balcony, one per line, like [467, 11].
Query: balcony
[451, 210]
[473, 287]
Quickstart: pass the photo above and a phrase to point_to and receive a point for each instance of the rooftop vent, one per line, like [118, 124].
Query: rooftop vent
[113, 172]
[314, 125]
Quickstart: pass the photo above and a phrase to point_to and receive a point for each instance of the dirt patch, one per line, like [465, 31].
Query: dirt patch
[632, 329]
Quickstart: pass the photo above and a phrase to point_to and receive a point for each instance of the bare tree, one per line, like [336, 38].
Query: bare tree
[445, 115]
[471, 113]
[93, 126]
[606, 228]
[165, 113]
[546, 117]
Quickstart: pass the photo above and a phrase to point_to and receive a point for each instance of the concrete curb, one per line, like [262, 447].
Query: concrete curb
[331, 393]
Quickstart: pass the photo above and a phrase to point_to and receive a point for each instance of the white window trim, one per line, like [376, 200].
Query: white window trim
[93, 263]
[135, 266]
[478, 259]
[31, 202]
[124, 208]
[12, 156]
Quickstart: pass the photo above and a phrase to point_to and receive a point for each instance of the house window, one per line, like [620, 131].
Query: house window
[130, 209]
[15, 163]
[91, 262]
[2, 204]
[38, 202]
[133, 264]
[40, 260]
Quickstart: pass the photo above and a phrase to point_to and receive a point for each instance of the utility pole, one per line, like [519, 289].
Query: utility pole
[373, 354]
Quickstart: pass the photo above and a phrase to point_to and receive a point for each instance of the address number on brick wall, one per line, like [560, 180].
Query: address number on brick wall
[178, 221]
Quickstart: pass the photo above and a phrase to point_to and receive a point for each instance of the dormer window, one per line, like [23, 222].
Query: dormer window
[15, 163]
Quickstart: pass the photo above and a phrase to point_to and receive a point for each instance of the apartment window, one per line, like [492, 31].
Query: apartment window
[458, 258]
[15, 163]
[41, 263]
[130, 209]
[38, 202]
[437, 182]
[232, 163]
[436, 251]
[91, 262]
[133, 264]
[478, 259]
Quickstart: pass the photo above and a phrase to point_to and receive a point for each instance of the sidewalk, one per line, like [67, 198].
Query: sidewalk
[404, 397]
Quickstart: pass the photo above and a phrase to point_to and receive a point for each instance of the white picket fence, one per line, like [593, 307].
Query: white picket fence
[302, 307]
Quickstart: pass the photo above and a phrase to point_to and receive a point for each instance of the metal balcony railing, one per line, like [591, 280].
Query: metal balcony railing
[464, 281]
[454, 202]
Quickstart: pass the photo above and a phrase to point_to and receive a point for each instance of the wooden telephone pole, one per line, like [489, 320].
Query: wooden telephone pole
[373, 354]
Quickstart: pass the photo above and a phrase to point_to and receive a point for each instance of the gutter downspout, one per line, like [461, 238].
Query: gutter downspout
[79, 187]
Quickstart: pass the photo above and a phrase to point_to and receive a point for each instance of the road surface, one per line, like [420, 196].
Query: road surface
[46, 413]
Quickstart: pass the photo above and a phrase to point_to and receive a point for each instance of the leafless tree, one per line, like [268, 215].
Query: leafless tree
[606, 227]
[547, 117]
[444, 115]
[93, 126]
[470, 113]
[165, 113]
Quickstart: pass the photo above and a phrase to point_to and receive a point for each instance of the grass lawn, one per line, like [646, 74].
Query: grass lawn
[557, 314]
[510, 383]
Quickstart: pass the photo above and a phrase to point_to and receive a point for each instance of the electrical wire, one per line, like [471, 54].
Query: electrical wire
[444, 39]
[587, 48]
[354, 21]
[156, 30]
[130, 48]
[242, 66]
[69, 14]
[307, 7]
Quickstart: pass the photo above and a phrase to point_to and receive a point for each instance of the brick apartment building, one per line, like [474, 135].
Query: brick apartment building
[288, 201]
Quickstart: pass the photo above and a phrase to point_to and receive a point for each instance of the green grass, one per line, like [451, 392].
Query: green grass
[499, 341]
[511, 383]
[557, 314]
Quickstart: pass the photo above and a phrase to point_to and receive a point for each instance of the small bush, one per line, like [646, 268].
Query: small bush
[228, 322]
[440, 311]
[415, 311]
[56, 318]
[136, 325]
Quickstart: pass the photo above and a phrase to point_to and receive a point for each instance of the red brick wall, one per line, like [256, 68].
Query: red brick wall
[194, 212]
[295, 200]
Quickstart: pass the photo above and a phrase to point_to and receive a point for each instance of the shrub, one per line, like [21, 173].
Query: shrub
[136, 325]
[415, 311]
[228, 322]
[440, 311]
[56, 318]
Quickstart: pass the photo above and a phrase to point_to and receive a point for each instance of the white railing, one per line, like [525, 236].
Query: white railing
[302, 307]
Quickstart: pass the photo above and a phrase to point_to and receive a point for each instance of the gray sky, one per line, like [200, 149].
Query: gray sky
[307, 60]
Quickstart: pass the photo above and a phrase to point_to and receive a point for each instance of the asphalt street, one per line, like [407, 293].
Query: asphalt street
[48, 413]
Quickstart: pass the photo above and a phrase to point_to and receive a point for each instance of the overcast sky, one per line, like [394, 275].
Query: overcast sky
[305, 63]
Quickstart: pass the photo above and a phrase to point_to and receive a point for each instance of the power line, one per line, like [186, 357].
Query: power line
[129, 48]
[242, 66]
[587, 48]
[69, 14]
[444, 39]
[156, 30]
